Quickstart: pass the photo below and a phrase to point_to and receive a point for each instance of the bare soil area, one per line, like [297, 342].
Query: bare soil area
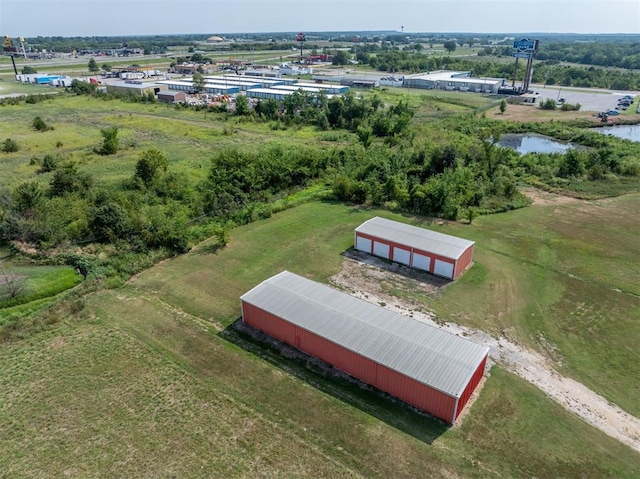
[544, 198]
[381, 282]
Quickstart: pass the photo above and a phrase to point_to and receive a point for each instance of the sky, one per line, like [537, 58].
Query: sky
[30, 18]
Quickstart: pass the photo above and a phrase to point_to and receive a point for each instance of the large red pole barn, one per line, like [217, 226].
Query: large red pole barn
[424, 366]
[420, 248]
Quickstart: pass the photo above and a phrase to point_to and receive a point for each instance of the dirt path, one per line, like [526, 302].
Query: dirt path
[370, 279]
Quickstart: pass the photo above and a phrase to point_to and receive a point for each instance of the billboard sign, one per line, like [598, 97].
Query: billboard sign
[524, 45]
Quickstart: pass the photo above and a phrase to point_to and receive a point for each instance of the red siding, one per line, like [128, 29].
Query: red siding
[409, 390]
[471, 386]
[463, 262]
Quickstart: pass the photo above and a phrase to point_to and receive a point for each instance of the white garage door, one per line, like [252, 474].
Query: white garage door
[381, 249]
[401, 255]
[421, 261]
[363, 244]
[442, 268]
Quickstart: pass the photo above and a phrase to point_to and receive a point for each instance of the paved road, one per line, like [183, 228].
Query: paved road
[590, 99]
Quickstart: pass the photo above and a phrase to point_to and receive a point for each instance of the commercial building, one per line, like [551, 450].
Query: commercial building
[168, 96]
[424, 366]
[453, 81]
[133, 87]
[420, 248]
[214, 88]
[277, 94]
[328, 88]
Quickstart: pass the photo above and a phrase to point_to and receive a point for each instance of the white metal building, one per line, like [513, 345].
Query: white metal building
[440, 254]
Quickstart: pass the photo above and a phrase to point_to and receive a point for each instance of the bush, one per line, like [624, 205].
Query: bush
[548, 104]
[40, 125]
[109, 142]
[49, 163]
[10, 146]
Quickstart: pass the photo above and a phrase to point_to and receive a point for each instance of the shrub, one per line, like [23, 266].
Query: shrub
[10, 146]
[40, 125]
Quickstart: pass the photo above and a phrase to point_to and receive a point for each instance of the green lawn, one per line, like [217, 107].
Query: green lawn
[543, 275]
[136, 385]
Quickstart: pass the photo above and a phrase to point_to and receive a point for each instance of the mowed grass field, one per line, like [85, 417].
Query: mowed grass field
[150, 380]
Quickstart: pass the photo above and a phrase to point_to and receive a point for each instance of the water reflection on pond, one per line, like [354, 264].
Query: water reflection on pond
[627, 132]
[528, 143]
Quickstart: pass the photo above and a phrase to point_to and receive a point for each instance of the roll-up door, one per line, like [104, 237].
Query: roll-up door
[444, 269]
[421, 261]
[381, 249]
[401, 255]
[363, 244]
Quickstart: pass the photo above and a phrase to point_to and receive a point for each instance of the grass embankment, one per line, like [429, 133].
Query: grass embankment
[36, 286]
[144, 381]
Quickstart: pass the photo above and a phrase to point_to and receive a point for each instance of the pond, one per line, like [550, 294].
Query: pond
[627, 132]
[528, 143]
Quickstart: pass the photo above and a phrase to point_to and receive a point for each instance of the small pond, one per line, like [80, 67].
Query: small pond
[528, 143]
[627, 132]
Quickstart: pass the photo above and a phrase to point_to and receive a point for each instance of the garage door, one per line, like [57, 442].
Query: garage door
[421, 261]
[401, 255]
[442, 268]
[381, 249]
[363, 244]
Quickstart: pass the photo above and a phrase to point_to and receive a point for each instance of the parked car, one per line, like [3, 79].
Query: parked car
[612, 112]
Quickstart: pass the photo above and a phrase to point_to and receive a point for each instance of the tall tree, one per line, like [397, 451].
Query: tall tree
[449, 46]
[93, 66]
[198, 82]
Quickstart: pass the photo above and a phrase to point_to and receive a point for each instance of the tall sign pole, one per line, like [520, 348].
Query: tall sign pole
[527, 50]
[8, 47]
[301, 38]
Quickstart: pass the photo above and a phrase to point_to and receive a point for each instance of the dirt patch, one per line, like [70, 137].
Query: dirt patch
[544, 198]
[531, 113]
[359, 279]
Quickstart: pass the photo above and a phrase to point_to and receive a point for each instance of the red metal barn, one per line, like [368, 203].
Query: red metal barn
[420, 248]
[424, 366]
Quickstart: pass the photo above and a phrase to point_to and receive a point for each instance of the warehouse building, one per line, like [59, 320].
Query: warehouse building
[419, 248]
[330, 89]
[209, 87]
[453, 81]
[277, 94]
[132, 87]
[167, 96]
[424, 366]
[264, 82]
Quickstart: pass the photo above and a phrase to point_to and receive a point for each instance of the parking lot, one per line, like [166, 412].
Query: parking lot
[590, 100]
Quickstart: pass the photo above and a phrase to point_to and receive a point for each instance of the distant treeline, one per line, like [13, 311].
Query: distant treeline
[621, 55]
[547, 72]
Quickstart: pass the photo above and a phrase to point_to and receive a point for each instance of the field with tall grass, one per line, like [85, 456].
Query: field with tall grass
[151, 379]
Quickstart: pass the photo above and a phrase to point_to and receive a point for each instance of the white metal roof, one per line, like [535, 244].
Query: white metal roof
[415, 237]
[427, 354]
